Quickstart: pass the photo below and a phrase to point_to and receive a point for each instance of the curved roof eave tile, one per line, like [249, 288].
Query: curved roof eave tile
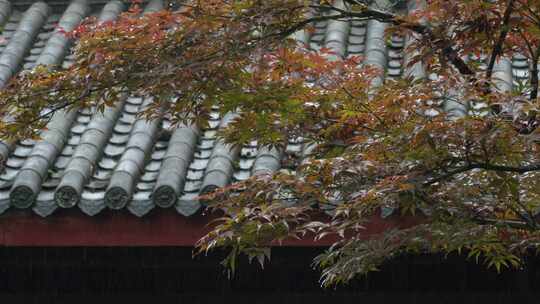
[142, 205]
[188, 204]
[173, 171]
[92, 206]
[44, 208]
[220, 167]
[132, 162]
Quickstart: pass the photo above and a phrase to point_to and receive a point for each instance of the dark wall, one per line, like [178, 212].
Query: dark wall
[170, 272]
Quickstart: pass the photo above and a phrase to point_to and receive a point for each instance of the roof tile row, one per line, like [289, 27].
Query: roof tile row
[117, 160]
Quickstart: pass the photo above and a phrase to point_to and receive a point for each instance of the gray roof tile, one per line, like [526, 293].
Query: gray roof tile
[140, 205]
[268, 160]
[220, 167]
[58, 43]
[9, 174]
[337, 32]
[188, 204]
[154, 6]
[117, 160]
[92, 202]
[176, 161]
[5, 11]
[4, 202]
[502, 75]
[132, 161]
[21, 40]
[44, 206]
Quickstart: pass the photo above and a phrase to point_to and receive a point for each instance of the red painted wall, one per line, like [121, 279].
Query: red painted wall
[160, 228]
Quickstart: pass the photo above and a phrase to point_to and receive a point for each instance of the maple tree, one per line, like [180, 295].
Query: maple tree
[453, 142]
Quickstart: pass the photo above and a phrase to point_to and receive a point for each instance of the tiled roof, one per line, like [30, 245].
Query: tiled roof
[92, 160]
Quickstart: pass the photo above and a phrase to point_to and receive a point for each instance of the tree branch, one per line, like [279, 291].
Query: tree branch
[446, 45]
[484, 166]
[511, 223]
[498, 47]
[534, 74]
